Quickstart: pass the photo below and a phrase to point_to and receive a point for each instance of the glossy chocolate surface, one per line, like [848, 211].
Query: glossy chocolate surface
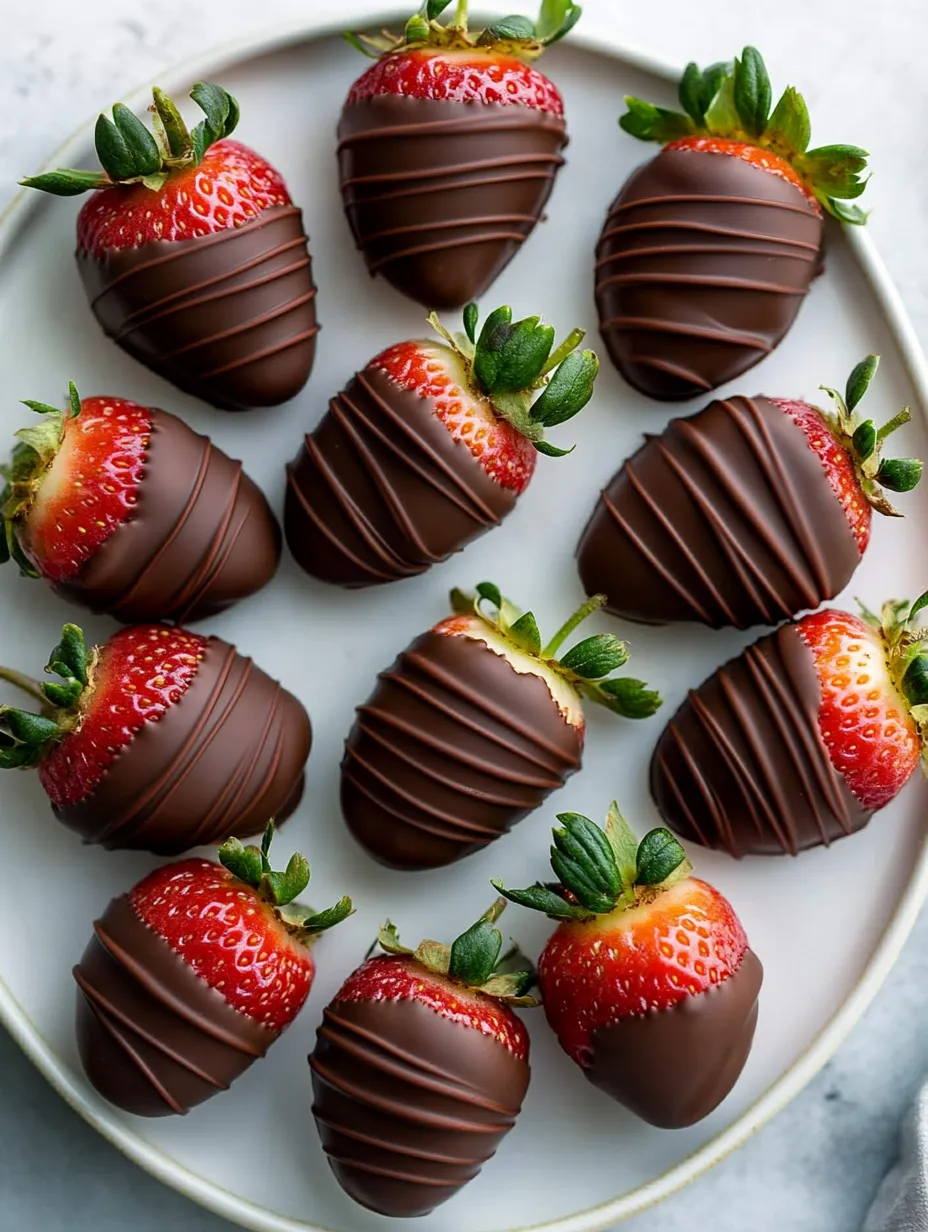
[221, 761]
[228, 317]
[440, 196]
[673, 1067]
[380, 491]
[409, 1104]
[154, 1038]
[450, 751]
[701, 267]
[201, 536]
[742, 765]
[727, 518]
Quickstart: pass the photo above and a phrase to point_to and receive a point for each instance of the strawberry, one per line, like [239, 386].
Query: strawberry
[161, 739]
[420, 1067]
[473, 726]
[448, 148]
[193, 255]
[127, 510]
[709, 249]
[429, 446]
[745, 513]
[802, 738]
[647, 982]
[193, 974]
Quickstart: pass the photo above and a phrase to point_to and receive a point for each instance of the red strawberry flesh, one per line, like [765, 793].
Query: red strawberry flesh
[837, 464]
[90, 489]
[757, 156]
[231, 186]
[434, 371]
[385, 978]
[634, 961]
[871, 738]
[141, 672]
[459, 77]
[230, 937]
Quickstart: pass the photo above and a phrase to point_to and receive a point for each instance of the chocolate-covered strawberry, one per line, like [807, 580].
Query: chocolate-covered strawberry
[448, 149]
[799, 740]
[420, 1067]
[708, 251]
[126, 510]
[472, 727]
[193, 255]
[648, 981]
[745, 513]
[430, 446]
[159, 740]
[192, 976]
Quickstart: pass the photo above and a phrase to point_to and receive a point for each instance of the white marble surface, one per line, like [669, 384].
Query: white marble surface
[815, 1168]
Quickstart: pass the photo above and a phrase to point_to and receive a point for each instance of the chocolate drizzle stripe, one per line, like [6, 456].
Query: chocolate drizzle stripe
[166, 996]
[258, 356]
[679, 250]
[245, 327]
[465, 241]
[451, 1184]
[743, 765]
[113, 1014]
[158, 312]
[804, 251]
[425, 188]
[711, 199]
[699, 280]
[678, 371]
[655, 326]
[219, 557]
[430, 1157]
[446, 173]
[453, 223]
[492, 121]
[473, 761]
[411, 759]
[117, 1037]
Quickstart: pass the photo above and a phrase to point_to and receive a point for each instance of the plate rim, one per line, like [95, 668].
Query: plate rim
[157, 1162]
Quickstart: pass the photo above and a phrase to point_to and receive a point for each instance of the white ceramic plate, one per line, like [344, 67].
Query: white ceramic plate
[828, 926]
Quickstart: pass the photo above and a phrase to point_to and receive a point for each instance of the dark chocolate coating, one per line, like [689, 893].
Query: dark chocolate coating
[441, 195]
[221, 761]
[450, 751]
[672, 1067]
[742, 765]
[228, 317]
[409, 1104]
[380, 491]
[201, 537]
[727, 518]
[154, 1038]
[701, 268]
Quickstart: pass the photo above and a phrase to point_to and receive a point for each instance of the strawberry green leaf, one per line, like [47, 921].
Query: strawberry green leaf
[572, 13]
[26, 728]
[583, 860]
[630, 698]
[525, 632]
[751, 91]
[475, 953]
[624, 844]
[915, 682]
[851, 214]
[659, 855]
[112, 150]
[698, 88]
[552, 451]
[864, 439]
[505, 29]
[542, 898]
[435, 8]
[69, 658]
[492, 593]
[434, 956]
[141, 148]
[649, 123]
[74, 400]
[323, 920]
[722, 114]
[471, 316]
[245, 863]
[372, 52]
[900, 474]
[389, 939]
[283, 888]
[222, 116]
[62, 695]
[568, 391]
[66, 182]
[859, 380]
[595, 656]
[170, 123]
[789, 128]
[918, 606]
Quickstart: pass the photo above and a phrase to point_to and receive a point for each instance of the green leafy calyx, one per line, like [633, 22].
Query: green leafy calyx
[35, 450]
[906, 643]
[735, 101]
[514, 35]
[529, 382]
[864, 442]
[587, 666]
[603, 870]
[475, 960]
[131, 154]
[26, 736]
[252, 866]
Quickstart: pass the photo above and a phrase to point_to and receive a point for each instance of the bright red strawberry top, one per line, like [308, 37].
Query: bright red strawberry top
[838, 466]
[91, 487]
[230, 937]
[649, 957]
[871, 738]
[142, 671]
[385, 978]
[472, 76]
[756, 155]
[434, 371]
[230, 186]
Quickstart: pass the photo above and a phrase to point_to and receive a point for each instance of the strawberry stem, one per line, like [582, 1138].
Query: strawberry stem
[25, 684]
[460, 17]
[587, 609]
[897, 421]
[570, 343]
